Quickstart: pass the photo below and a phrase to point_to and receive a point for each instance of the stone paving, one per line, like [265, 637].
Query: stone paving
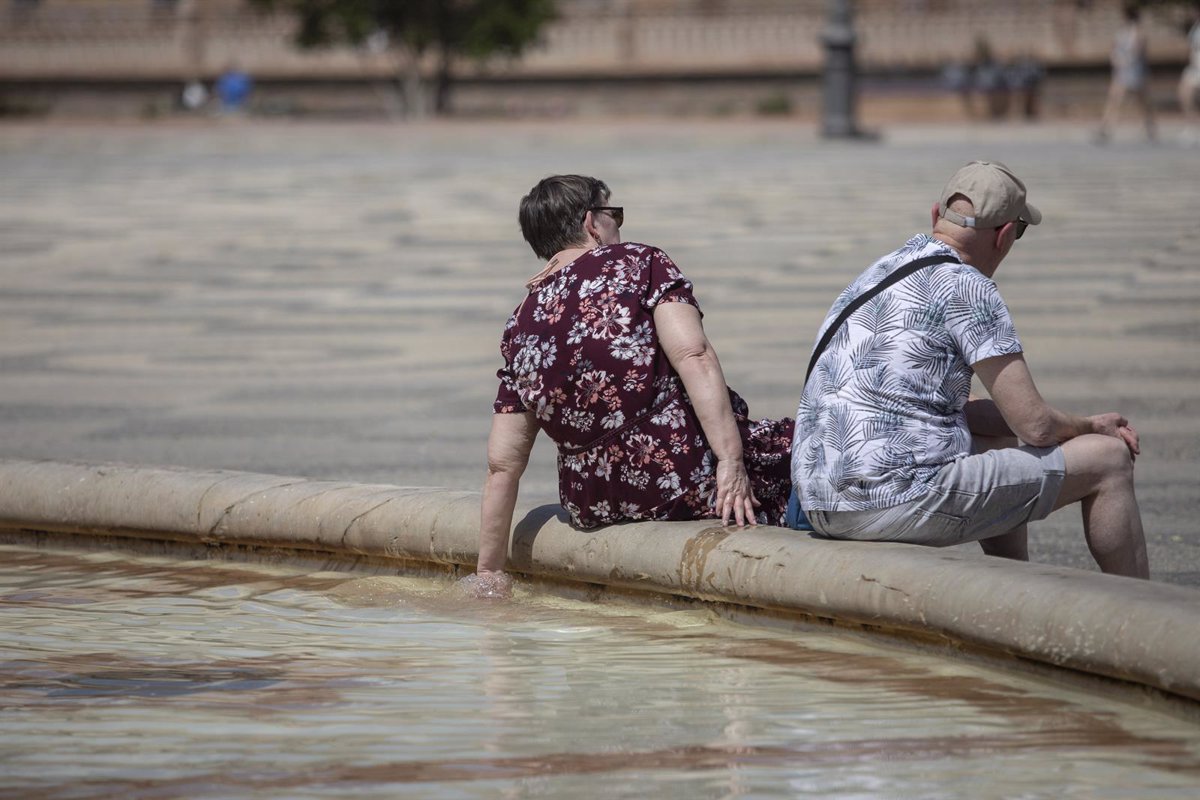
[326, 300]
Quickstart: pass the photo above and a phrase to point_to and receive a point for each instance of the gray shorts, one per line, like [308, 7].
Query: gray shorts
[976, 497]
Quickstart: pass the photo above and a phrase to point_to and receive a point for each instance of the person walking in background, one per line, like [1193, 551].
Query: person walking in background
[233, 89]
[1130, 75]
[1189, 83]
[990, 81]
[1025, 76]
[890, 445]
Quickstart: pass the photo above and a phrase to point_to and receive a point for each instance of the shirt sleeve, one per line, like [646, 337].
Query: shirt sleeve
[666, 284]
[978, 320]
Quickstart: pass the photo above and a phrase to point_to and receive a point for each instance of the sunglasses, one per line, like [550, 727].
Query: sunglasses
[616, 212]
[1020, 223]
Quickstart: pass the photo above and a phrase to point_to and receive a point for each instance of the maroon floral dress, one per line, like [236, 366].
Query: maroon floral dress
[582, 354]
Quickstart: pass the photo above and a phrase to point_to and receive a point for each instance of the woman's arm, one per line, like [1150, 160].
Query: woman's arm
[509, 445]
[691, 354]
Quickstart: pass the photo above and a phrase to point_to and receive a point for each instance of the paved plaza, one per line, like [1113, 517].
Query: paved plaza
[326, 300]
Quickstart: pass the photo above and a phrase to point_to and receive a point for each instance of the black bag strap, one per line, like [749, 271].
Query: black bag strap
[890, 280]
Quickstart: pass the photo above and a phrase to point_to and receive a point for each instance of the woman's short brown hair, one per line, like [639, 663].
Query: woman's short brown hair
[553, 211]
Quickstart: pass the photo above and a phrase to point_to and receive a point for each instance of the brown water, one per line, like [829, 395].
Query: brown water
[138, 677]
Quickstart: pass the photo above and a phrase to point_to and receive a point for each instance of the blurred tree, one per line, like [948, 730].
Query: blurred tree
[449, 29]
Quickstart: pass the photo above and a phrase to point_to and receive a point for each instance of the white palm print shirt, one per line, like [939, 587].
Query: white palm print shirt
[882, 412]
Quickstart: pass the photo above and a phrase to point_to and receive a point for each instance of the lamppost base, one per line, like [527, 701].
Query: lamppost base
[850, 133]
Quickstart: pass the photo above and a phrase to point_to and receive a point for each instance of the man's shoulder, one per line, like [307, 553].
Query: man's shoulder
[964, 279]
[918, 247]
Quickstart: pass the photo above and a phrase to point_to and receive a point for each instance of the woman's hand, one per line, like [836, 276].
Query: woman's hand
[734, 497]
[487, 584]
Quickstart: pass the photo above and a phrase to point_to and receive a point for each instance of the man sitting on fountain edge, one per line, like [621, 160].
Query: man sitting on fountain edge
[890, 445]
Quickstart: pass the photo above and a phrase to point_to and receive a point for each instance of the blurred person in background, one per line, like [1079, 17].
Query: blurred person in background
[956, 78]
[1025, 76]
[1189, 82]
[233, 89]
[990, 80]
[607, 355]
[194, 96]
[1130, 75]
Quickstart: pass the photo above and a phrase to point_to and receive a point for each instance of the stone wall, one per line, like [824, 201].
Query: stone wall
[48, 40]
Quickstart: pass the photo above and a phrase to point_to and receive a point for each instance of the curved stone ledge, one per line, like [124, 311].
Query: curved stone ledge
[1117, 627]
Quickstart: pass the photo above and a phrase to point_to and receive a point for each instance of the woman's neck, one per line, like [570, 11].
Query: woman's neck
[556, 262]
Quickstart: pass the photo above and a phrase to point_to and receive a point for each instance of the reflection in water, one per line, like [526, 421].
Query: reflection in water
[150, 678]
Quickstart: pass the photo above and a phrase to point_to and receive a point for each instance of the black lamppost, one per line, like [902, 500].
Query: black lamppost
[840, 94]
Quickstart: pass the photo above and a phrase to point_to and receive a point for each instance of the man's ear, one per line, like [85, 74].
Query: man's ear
[937, 207]
[1006, 234]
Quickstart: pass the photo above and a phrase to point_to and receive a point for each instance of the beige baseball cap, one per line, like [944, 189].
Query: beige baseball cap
[996, 193]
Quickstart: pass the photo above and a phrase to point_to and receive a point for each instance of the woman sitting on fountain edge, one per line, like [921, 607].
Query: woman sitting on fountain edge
[607, 355]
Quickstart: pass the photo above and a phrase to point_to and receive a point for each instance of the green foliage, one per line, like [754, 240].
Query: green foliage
[777, 104]
[473, 28]
[506, 27]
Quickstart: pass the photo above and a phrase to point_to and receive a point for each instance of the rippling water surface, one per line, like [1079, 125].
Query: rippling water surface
[138, 677]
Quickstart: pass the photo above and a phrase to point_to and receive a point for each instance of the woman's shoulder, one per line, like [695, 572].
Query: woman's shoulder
[653, 260]
[628, 261]
[625, 249]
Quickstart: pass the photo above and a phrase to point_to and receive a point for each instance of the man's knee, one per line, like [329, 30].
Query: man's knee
[1101, 455]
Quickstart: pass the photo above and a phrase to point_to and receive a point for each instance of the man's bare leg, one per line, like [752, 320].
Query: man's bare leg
[1147, 105]
[1112, 110]
[1014, 544]
[1187, 101]
[1100, 478]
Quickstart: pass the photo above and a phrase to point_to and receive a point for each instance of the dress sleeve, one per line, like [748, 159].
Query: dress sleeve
[508, 401]
[666, 283]
[978, 320]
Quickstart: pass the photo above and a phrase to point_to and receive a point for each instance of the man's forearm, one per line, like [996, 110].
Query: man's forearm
[984, 419]
[1068, 426]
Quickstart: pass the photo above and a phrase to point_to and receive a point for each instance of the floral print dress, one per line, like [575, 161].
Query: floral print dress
[582, 354]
